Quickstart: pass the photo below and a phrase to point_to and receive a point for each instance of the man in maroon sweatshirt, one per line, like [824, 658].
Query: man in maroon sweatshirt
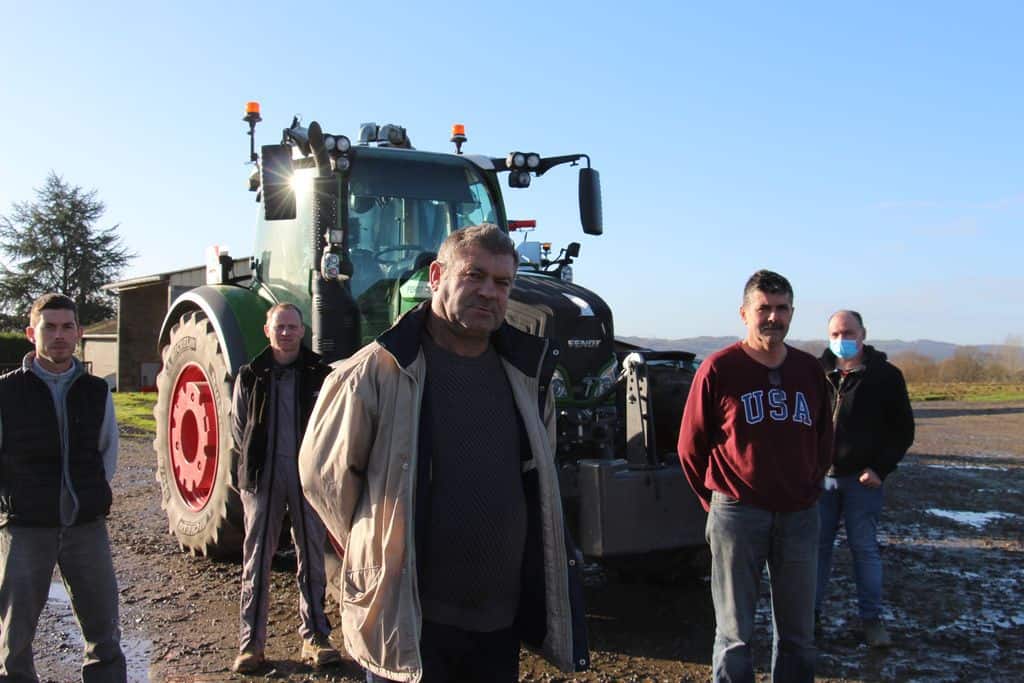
[755, 443]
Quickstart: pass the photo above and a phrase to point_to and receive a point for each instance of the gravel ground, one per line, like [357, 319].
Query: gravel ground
[953, 554]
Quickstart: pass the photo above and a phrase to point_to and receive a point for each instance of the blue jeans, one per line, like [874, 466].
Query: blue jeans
[858, 506]
[743, 540]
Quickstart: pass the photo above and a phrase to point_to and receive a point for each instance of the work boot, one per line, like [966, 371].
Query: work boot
[318, 651]
[248, 662]
[875, 634]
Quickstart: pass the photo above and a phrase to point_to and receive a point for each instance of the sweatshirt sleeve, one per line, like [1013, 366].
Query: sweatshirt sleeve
[826, 430]
[694, 446]
[108, 442]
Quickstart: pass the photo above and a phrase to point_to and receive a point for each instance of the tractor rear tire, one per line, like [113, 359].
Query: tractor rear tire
[193, 443]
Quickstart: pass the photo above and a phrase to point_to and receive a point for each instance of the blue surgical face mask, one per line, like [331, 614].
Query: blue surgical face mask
[843, 348]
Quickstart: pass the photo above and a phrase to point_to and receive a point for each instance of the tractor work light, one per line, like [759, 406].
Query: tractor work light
[523, 160]
[330, 266]
[367, 133]
[337, 143]
[559, 387]
[342, 164]
[519, 179]
[392, 134]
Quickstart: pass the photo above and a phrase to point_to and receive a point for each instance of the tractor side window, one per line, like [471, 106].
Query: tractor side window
[480, 209]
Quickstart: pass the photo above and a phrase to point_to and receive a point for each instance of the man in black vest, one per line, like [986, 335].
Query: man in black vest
[273, 398]
[58, 453]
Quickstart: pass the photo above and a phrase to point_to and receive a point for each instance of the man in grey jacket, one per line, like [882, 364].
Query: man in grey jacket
[58, 453]
[272, 399]
[430, 457]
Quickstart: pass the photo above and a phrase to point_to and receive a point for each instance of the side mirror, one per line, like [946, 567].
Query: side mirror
[278, 194]
[573, 250]
[590, 201]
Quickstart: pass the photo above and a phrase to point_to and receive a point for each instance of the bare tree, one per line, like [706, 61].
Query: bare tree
[916, 367]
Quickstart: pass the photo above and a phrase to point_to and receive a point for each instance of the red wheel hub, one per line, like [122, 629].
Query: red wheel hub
[193, 436]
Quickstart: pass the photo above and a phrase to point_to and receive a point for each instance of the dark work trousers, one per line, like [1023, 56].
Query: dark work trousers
[27, 558]
[452, 655]
[278, 489]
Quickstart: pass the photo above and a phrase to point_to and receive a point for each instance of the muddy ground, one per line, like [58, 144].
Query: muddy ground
[952, 549]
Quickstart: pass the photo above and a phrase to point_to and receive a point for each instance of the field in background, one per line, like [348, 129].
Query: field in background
[966, 391]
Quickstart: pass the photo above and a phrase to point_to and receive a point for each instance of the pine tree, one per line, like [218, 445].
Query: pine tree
[53, 245]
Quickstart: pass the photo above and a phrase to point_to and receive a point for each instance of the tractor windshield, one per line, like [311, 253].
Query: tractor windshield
[400, 209]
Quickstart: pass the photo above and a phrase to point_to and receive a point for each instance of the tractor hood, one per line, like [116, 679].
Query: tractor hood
[579, 320]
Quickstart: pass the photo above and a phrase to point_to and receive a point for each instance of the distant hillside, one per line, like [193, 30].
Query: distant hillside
[703, 346]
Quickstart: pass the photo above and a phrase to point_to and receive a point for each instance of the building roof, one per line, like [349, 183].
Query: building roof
[241, 266]
[105, 327]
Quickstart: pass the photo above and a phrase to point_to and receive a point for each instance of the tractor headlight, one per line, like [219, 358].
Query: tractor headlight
[606, 380]
[330, 266]
[559, 386]
[566, 273]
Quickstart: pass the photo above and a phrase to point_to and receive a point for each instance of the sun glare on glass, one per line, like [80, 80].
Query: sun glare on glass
[301, 182]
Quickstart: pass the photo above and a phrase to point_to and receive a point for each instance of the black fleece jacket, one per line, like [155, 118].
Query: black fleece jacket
[874, 423]
[249, 409]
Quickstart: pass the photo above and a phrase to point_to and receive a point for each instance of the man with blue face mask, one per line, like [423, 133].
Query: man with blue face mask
[874, 427]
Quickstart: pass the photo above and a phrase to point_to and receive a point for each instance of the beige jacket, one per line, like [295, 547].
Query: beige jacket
[358, 465]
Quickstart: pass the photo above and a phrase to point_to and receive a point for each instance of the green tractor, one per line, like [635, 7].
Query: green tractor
[346, 232]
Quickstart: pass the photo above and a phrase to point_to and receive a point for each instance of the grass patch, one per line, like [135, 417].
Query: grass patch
[135, 411]
[966, 391]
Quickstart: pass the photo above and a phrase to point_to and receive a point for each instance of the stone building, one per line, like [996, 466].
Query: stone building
[99, 350]
[143, 303]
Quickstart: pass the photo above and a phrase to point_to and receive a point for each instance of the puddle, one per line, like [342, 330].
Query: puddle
[974, 519]
[968, 467]
[136, 650]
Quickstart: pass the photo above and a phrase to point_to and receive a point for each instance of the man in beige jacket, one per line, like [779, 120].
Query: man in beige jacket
[430, 457]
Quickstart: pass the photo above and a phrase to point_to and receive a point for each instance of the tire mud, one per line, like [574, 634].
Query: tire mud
[952, 551]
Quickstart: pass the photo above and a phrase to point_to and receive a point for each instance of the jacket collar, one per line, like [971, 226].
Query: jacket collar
[28, 364]
[522, 350]
[264, 361]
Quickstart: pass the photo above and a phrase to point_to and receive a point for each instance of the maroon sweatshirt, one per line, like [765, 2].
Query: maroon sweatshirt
[762, 436]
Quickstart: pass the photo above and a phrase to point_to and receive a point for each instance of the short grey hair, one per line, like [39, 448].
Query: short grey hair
[486, 235]
[284, 306]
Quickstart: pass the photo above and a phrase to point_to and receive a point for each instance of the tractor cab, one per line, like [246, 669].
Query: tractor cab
[348, 231]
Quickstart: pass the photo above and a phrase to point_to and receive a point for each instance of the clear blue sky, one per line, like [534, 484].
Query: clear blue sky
[872, 153]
